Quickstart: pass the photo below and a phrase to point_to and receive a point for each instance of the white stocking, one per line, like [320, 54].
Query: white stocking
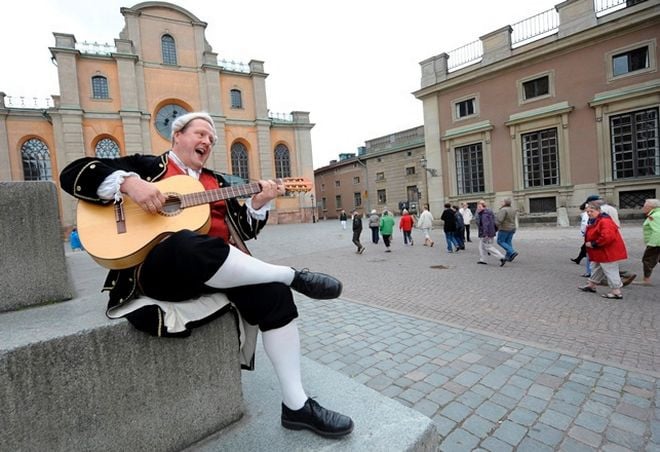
[240, 269]
[282, 345]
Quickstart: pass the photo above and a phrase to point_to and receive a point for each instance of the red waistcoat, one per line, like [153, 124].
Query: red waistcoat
[218, 209]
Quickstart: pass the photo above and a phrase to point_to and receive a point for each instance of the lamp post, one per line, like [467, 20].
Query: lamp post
[313, 209]
[423, 162]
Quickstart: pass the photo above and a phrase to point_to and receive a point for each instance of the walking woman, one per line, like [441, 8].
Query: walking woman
[605, 248]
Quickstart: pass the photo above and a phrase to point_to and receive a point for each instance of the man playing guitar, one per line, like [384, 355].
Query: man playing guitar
[187, 265]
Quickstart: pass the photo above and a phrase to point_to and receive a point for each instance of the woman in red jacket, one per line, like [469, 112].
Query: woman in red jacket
[605, 249]
[406, 224]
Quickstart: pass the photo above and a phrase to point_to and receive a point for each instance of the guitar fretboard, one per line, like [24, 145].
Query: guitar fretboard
[209, 196]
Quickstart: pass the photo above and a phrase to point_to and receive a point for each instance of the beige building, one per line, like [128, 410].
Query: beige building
[120, 99]
[386, 173]
[549, 111]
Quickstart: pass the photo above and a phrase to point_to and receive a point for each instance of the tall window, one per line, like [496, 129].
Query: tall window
[100, 87]
[36, 160]
[107, 148]
[630, 61]
[168, 49]
[338, 201]
[382, 196]
[540, 158]
[239, 161]
[282, 161]
[470, 169]
[236, 98]
[357, 199]
[635, 149]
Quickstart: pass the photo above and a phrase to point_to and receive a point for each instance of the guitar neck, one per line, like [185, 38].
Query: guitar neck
[209, 196]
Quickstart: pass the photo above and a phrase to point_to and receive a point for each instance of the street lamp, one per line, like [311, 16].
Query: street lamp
[313, 209]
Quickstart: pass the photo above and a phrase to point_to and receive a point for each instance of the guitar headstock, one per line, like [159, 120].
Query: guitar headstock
[296, 184]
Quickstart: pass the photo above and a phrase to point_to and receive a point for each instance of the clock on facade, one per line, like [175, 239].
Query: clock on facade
[166, 116]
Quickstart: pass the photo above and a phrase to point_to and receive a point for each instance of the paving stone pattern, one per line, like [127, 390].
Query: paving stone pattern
[511, 358]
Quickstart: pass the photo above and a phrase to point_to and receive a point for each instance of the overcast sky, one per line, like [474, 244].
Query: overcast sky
[351, 63]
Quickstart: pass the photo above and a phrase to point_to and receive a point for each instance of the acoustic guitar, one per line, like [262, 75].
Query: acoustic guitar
[120, 235]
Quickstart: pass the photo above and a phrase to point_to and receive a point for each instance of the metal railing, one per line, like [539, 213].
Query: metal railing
[28, 102]
[535, 27]
[95, 48]
[604, 7]
[465, 55]
[234, 66]
[280, 117]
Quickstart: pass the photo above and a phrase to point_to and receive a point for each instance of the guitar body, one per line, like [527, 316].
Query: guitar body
[102, 236]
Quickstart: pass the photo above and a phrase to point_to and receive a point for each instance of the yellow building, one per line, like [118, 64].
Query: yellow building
[120, 100]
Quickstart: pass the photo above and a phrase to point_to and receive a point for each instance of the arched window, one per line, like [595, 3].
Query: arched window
[107, 149]
[239, 161]
[168, 49]
[282, 161]
[236, 99]
[100, 87]
[36, 160]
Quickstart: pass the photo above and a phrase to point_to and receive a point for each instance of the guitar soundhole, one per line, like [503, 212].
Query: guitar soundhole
[172, 205]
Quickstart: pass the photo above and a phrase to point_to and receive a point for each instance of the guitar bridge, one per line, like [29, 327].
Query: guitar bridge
[120, 217]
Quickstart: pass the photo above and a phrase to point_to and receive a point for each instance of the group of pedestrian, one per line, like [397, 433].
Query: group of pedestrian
[603, 246]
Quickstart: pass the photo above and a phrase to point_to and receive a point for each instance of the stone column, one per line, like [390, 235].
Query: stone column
[434, 70]
[436, 192]
[66, 56]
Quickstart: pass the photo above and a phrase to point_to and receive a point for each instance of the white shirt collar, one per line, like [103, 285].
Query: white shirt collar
[177, 161]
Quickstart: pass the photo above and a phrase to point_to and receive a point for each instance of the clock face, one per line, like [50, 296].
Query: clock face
[166, 116]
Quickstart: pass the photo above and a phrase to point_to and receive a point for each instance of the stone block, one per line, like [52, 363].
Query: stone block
[32, 258]
[72, 380]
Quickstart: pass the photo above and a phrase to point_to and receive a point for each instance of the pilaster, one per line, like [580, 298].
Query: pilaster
[66, 56]
[496, 45]
[5, 164]
[575, 16]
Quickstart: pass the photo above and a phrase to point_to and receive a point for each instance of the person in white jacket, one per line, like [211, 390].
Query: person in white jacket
[467, 217]
[425, 223]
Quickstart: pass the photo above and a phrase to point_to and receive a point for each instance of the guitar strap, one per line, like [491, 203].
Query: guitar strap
[234, 237]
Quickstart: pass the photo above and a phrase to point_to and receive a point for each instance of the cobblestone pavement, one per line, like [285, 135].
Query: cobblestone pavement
[534, 298]
[510, 358]
[501, 358]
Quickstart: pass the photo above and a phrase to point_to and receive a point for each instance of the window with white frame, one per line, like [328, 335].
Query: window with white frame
[540, 158]
[465, 108]
[536, 87]
[356, 180]
[382, 196]
[635, 148]
[470, 169]
[631, 60]
[380, 176]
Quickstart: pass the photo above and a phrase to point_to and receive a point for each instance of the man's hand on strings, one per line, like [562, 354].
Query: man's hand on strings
[145, 194]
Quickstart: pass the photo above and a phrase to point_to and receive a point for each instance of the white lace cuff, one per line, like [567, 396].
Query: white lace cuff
[110, 188]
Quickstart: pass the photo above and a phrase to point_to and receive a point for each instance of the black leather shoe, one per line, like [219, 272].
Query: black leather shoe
[314, 417]
[316, 285]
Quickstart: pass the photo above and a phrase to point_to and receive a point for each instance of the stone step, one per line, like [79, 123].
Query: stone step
[381, 424]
